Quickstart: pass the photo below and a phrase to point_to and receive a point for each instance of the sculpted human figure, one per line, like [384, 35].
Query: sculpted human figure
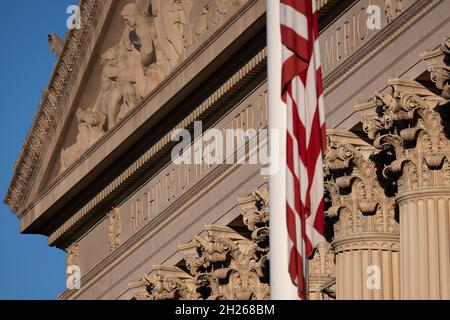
[173, 23]
[110, 97]
[141, 33]
[129, 67]
[142, 36]
[90, 129]
[212, 13]
[399, 6]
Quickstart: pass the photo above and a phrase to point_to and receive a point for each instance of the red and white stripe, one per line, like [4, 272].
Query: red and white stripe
[306, 143]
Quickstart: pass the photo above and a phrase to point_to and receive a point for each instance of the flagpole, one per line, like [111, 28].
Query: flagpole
[281, 287]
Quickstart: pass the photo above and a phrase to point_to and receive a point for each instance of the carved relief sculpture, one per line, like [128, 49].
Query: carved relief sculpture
[72, 255]
[142, 35]
[90, 129]
[174, 17]
[322, 277]
[114, 229]
[391, 12]
[125, 80]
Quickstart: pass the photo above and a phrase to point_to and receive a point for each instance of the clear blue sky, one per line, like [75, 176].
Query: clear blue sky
[29, 269]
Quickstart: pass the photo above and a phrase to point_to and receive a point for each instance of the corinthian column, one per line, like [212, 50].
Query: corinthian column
[408, 130]
[322, 280]
[366, 234]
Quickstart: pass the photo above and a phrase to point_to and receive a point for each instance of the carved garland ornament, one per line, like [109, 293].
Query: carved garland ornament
[220, 264]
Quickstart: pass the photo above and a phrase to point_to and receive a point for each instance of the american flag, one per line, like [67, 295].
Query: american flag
[306, 143]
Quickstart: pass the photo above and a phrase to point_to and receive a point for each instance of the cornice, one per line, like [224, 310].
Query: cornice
[368, 241]
[230, 87]
[378, 43]
[250, 8]
[150, 230]
[63, 75]
[65, 72]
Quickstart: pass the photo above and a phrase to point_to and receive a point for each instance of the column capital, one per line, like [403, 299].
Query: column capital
[407, 126]
[357, 199]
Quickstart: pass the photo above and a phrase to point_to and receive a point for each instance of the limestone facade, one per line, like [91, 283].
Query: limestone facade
[95, 174]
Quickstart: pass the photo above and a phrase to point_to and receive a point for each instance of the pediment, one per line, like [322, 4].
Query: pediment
[124, 50]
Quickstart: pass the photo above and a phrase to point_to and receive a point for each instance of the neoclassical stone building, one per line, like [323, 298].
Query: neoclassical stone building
[95, 174]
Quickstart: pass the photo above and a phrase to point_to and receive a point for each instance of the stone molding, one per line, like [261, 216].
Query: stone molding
[409, 129]
[247, 72]
[437, 63]
[407, 19]
[63, 75]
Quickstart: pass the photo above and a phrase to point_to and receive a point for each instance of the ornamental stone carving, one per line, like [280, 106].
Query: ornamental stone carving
[156, 35]
[362, 212]
[90, 129]
[409, 127]
[392, 9]
[55, 43]
[72, 255]
[438, 62]
[413, 133]
[114, 229]
[322, 277]
[219, 264]
[357, 198]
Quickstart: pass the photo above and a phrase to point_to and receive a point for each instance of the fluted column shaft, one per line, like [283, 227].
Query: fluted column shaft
[358, 261]
[409, 129]
[425, 244]
[366, 233]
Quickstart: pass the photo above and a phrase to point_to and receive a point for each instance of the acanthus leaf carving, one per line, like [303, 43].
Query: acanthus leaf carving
[357, 200]
[415, 134]
[438, 63]
[219, 262]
